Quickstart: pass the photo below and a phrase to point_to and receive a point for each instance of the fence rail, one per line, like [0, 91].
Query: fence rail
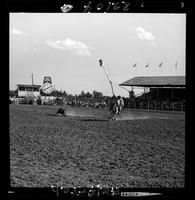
[103, 103]
[175, 106]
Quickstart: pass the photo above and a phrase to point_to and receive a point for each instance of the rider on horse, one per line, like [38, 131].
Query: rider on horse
[116, 105]
[120, 104]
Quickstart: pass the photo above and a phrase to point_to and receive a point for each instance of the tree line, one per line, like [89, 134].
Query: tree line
[64, 94]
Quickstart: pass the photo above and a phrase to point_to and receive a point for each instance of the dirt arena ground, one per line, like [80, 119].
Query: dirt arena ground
[139, 149]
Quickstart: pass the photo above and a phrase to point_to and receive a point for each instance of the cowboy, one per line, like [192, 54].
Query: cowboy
[120, 104]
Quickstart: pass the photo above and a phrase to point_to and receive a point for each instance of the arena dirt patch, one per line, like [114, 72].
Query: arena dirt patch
[76, 151]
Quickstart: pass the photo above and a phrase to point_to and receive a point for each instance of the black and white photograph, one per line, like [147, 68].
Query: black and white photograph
[97, 99]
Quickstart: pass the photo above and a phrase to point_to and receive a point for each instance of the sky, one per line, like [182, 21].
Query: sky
[68, 46]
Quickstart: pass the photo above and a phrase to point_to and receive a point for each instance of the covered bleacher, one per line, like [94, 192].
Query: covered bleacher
[159, 93]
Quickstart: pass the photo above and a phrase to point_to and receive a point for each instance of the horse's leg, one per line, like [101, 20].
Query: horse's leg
[112, 115]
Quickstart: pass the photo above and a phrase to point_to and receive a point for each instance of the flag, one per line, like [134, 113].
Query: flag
[160, 64]
[101, 62]
[147, 65]
[134, 64]
[176, 65]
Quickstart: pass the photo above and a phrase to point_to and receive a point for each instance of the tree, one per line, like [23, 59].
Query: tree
[82, 95]
[97, 94]
[65, 94]
[13, 93]
[70, 96]
[88, 95]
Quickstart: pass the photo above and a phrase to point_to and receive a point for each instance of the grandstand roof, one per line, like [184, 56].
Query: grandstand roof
[158, 81]
[25, 85]
[148, 81]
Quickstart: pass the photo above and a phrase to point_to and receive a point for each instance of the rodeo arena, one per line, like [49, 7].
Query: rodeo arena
[71, 141]
[161, 93]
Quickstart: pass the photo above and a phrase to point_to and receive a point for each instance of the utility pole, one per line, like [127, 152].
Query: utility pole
[32, 79]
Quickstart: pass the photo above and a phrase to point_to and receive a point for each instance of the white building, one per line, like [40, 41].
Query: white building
[28, 90]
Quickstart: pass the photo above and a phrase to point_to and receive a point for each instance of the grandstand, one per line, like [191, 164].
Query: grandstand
[160, 92]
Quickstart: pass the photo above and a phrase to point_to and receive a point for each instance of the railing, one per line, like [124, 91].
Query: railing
[154, 105]
[102, 103]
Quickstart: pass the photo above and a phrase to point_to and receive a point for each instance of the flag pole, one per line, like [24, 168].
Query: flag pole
[109, 79]
[176, 67]
[32, 79]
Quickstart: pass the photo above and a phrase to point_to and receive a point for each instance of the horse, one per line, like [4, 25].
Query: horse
[113, 111]
[115, 107]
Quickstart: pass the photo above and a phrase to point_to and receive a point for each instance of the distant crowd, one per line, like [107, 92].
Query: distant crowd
[142, 102]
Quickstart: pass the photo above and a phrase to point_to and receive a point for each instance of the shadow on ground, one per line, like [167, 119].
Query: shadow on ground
[95, 119]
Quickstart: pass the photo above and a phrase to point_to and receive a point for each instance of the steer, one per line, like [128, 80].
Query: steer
[61, 111]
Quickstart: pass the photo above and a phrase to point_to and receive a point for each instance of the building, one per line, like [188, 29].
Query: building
[156, 81]
[165, 91]
[160, 84]
[28, 90]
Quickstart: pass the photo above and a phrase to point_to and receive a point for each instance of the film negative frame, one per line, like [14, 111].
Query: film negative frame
[77, 6]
